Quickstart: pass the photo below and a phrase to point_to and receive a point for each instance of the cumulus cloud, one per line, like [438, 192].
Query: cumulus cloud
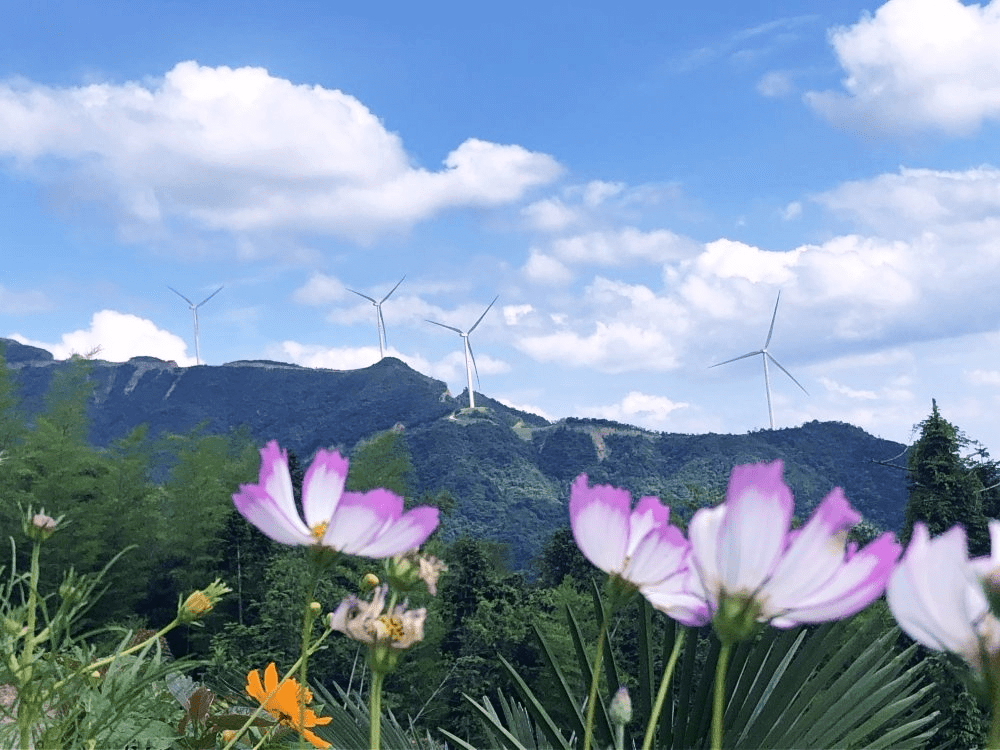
[912, 201]
[594, 203]
[843, 390]
[320, 289]
[917, 64]
[117, 337]
[241, 150]
[622, 247]
[512, 314]
[637, 408]
[544, 269]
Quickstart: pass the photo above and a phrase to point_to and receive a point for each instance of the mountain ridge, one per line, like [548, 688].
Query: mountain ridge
[509, 471]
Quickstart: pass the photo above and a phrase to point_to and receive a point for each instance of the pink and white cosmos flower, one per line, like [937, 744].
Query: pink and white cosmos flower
[638, 546]
[936, 594]
[743, 550]
[369, 524]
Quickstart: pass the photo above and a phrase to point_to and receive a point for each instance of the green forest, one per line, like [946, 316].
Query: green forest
[499, 630]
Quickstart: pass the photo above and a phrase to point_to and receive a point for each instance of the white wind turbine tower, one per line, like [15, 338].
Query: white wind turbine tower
[766, 355]
[379, 320]
[469, 356]
[194, 315]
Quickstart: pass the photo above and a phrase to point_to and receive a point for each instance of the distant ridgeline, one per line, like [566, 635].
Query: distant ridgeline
[509, 471]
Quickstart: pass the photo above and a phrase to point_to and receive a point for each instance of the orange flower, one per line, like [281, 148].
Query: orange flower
[285, 702]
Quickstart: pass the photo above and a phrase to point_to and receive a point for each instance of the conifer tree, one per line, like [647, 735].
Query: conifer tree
[943, 488]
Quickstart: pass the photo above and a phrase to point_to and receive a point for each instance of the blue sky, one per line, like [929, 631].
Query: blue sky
[636, 183]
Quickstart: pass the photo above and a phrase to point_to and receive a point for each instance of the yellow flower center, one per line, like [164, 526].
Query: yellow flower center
[198, 603]
[386, 628]
[319, 531]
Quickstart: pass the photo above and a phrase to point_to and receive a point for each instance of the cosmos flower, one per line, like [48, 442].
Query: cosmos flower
[286, 703]
[364, 621]
[936, 594]
[638, 547]
[370, 524]
[754, 568]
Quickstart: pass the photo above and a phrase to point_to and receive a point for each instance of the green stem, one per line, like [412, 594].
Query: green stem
[26, 718]
[719, 696]
[108, 659]
[375, 711]
[308, 616]
[661, 694]
[592, 697]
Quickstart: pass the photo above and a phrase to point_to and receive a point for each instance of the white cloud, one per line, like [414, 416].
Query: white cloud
[320, 290]
[118, 337]
[550, 215]
[614, 347]
[621, 247]
[842, 390]
[544, 269]
[917, 64]
[637, 408]
[913, 201]
[241, 150]
[512, 314]
[792, 211]
[730, 259]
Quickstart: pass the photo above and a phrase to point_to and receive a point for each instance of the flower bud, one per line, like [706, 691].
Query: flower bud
[40, 526]
[369, 582]
[620, 711]
[201, 602]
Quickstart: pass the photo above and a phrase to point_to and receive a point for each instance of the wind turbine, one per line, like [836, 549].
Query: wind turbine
[194, 315]
[766, 355]
[469, 356]
[379, 320]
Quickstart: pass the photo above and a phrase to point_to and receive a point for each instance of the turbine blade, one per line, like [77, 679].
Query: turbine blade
[742, 356]
[773, 316]
[393, 289]
[484, 314]
[787, 373]
[381, 322]
[209, 297]
[180, 295]
[450, 328]
[365, 296]
[471, 354]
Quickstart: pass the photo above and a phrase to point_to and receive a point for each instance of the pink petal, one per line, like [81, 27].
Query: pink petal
[855, 584]
[260, 509]
[675, 598]
[703, 531]
[359, 519]
[931, 591]
[814, 555]
[404, 534]
[322, 487]
[658, 555]
[600, 519]
[754, 531]
[649, 514]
